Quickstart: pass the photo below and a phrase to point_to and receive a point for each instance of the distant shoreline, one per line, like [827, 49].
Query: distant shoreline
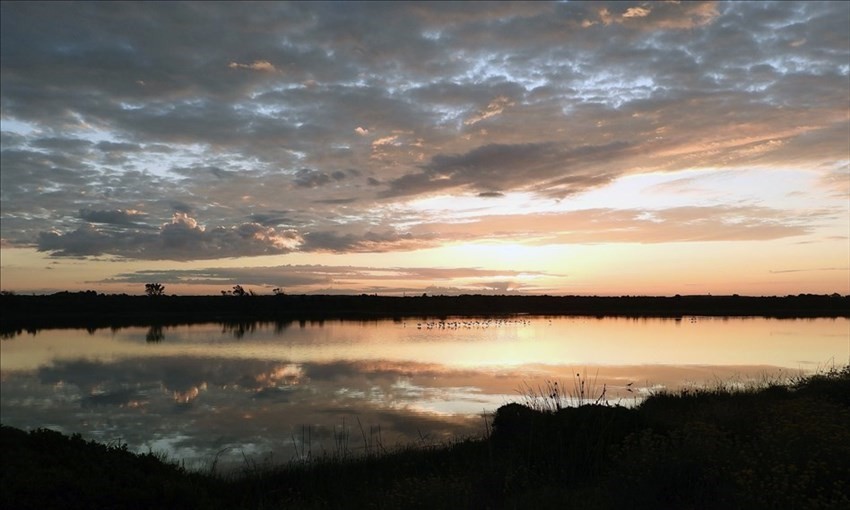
[89, 309]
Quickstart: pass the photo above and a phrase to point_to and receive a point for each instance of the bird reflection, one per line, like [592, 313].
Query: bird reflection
[472, 324]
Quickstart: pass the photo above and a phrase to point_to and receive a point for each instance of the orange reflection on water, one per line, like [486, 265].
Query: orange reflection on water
[803, 344]
[201, 388]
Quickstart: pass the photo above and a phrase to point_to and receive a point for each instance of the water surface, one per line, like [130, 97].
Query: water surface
[258, 392]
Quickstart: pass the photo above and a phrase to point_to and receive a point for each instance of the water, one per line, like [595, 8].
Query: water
[264, 392]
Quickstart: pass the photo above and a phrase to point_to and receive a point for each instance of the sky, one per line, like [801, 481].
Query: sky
[400, 148]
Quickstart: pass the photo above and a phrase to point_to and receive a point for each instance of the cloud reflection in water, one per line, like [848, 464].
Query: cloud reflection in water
[252, 390]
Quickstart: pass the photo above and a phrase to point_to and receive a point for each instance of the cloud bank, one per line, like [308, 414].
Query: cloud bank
[206, 131]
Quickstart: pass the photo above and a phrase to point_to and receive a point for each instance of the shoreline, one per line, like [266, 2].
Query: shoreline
[92, 310]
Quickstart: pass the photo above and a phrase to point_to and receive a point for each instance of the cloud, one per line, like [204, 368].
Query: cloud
[251, 134]
[369, 241]
[258, 65]
[636, 12]
[677, 224]
[837, 182]
[107, 146]
[496, 107]
[387, 140]
[306, 178]
[270, 219]
[127, 217]
[180, 239]
[659, 15]
[543, 166]
[84, 241]
[281, 276]
[62, 144]
[337, 201]
[345, 279]
[779, 271]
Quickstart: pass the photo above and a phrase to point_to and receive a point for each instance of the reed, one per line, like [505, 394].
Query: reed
[554, 395]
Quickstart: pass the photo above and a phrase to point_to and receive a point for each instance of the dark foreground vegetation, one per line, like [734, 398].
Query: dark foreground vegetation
[92, 310]
[776, 446]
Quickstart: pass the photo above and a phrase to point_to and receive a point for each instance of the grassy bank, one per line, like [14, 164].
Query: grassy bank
[775, 446]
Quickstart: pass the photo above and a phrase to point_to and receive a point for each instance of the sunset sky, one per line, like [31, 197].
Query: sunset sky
[400, 148]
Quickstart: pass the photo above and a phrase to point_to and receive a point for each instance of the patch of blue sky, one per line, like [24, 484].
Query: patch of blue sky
[448, 115]
[18, 126]
[161, 164]
[615, 90]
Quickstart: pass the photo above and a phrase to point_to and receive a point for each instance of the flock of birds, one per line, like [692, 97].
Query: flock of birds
[472, 324]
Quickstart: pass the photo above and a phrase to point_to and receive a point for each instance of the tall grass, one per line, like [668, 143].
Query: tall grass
[552, 396]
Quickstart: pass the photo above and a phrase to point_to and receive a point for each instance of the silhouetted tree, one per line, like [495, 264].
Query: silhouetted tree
[154, 289]
[238, 290]
[278, 291]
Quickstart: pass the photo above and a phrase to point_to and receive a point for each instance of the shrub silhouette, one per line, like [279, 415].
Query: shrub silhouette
[154, 289]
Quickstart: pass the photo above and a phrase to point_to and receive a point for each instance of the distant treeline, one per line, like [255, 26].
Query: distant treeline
[91, 310]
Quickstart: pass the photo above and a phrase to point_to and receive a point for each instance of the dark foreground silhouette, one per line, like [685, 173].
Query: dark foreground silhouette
[92, 310]
[779, 446]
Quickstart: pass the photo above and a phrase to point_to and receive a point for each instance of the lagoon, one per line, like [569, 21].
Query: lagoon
[254, 392]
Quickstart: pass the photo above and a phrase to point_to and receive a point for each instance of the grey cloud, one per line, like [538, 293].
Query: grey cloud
[114, 217]
[119, 147]
[62, 144]
[181, 207]
[218, 173]
[9, 140]
[48, 188]
[310, 275]
[184, 239]
[496, 167]
[282, 276]
[84, 241]
[593, 97]
[484, 167]
[270, 219]
[306, 178]
[369, 241]
[181, 239]
[336, 201]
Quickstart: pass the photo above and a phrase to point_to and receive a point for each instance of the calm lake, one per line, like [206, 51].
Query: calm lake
[272, 392]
